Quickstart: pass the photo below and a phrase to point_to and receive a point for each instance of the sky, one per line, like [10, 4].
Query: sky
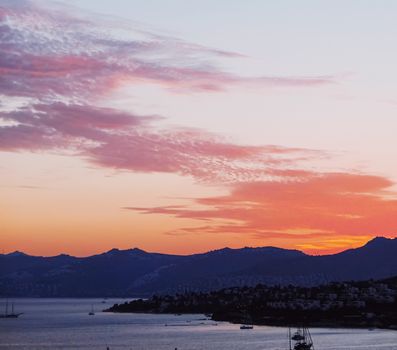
[186, 126]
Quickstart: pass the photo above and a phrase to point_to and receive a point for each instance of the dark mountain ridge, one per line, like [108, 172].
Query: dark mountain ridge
[134, 272]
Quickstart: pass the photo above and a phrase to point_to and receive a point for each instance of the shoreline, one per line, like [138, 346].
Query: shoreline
[366, 304]
[268, 324]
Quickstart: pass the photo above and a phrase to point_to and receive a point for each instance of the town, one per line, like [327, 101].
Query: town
[349, 304]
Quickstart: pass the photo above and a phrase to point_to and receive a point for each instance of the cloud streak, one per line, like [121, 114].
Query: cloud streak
[313, 212]
[62, 65]
[121, 140]
[49, 54]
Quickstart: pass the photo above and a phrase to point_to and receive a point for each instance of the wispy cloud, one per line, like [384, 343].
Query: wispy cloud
[122, 140]
[316, 209]
[62, 64]
[51, 54]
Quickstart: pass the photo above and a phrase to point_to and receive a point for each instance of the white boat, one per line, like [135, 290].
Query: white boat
[246, 326]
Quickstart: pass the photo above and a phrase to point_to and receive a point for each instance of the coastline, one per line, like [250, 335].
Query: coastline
[366, 304]
[269, 322]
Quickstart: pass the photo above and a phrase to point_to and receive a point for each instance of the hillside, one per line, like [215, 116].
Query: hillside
[134, 272]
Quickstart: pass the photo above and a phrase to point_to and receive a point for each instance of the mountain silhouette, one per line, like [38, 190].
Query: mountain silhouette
[134, 272]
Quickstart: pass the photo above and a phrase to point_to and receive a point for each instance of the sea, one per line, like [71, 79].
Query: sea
[65, 324]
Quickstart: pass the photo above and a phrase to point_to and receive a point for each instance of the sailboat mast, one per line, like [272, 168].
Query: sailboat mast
[6, 307]
[310, 337]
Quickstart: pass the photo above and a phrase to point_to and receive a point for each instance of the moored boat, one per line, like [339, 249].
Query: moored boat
[246, 326]
[92, 313]
[300, 340]
[11, 314]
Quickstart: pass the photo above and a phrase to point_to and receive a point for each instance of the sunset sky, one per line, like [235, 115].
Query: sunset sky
[185, 126]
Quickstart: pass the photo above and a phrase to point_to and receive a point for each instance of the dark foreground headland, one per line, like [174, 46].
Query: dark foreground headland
[350, 304]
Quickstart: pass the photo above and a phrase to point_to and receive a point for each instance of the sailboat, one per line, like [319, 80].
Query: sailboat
[12, 314]
[300, 339]
[92, 313]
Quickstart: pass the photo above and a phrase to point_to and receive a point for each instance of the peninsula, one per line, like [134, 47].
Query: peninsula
[365, 304]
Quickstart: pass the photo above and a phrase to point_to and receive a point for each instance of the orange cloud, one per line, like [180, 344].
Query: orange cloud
[317, 212]
[63, 75]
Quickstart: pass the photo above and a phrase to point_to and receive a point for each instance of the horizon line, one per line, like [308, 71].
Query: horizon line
[15, 252]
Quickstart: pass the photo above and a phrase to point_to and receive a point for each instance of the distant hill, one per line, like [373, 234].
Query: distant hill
[134, 272]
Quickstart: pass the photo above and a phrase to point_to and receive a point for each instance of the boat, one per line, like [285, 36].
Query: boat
[246, 326]
[92, 313]
[12, 314]
[247, 322]
[300, 339]
[298, 335]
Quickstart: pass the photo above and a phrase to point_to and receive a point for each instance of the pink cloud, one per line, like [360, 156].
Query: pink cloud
[47, 53]
[121, 140]
[64, 63]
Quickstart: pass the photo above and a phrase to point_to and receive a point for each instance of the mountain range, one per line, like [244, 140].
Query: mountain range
[134, 272]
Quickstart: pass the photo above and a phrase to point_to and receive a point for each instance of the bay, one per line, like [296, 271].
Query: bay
[65, 324]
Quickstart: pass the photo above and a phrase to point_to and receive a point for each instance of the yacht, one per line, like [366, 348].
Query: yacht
[300, 339]
[11, 314]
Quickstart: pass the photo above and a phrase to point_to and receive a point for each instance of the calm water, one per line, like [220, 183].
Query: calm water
[65, 324]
